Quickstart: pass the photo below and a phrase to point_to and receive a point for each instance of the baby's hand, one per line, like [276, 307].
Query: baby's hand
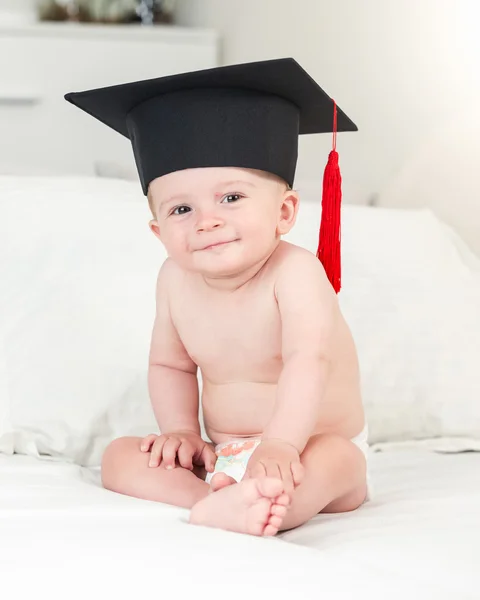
[275, 458]
[186, 446]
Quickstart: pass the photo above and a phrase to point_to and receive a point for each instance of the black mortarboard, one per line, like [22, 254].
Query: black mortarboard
[246, 115]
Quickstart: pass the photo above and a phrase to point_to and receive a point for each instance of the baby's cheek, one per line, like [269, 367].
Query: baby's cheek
[175, 243]
[263, 234]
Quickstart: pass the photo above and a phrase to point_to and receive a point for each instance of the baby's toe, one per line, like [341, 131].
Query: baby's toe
[275, 521]
[270, 488]
[258, 516]
[283, 500]
[278, 510]
[270, 530]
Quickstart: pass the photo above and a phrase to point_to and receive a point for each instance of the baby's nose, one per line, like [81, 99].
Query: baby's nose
[208, 222]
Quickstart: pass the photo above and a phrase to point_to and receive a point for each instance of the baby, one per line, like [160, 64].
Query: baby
[258, 316]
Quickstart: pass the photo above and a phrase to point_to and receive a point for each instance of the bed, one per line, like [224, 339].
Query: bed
[75, 317]
[418, 538]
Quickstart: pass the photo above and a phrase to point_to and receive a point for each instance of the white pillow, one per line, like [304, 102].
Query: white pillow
[79, 272]
[411, 295]
[78, 300]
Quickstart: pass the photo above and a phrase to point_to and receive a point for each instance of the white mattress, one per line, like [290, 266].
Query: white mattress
[63, 536]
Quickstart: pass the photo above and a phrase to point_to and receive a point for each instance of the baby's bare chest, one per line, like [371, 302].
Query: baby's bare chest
[231, 337]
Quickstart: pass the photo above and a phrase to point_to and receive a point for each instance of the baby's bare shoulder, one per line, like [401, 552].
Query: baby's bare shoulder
[169, 275]
[287, 254]
[294, 263]
[168, 269]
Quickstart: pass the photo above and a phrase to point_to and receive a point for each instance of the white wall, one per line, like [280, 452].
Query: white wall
[399, 68]
[24, 6]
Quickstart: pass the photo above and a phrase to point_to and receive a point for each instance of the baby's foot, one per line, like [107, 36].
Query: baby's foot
[254, 506]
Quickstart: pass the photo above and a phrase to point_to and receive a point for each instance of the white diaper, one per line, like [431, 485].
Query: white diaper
[233, 456]
[361, 441]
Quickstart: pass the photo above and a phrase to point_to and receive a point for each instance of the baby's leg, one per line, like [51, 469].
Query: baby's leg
[125, 470]
[334, 479]
[249, 507]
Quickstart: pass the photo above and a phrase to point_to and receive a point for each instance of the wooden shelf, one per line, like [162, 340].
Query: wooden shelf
[167, 33]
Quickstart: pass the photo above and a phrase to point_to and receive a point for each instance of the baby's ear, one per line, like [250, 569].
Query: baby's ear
[153, 224]
[288, 212]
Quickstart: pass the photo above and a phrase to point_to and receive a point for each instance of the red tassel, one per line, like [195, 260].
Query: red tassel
[328, 251]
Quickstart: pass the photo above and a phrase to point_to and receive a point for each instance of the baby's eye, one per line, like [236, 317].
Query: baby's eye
[229, 198]
[181, 210]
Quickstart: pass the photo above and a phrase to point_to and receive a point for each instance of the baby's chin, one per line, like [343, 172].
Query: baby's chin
[219, 269]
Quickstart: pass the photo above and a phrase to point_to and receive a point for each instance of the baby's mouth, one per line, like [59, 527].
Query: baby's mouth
[218, 244]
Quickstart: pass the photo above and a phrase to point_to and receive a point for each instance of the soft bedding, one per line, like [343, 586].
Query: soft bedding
[416, 539]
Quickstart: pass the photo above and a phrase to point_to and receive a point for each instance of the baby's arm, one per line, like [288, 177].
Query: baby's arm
[172, 378]
[307, 305]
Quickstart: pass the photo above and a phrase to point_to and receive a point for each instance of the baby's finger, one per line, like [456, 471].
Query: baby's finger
[272, 469]
[287, 478]
[185, 455]
[298, 472]
[209, 458]
[147, 441]
[169, 453]
[156, 452]
[258, 470]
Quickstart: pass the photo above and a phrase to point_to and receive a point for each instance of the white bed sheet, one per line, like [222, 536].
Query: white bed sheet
[63, 536]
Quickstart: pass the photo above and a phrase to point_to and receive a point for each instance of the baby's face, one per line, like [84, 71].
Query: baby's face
[220, 221]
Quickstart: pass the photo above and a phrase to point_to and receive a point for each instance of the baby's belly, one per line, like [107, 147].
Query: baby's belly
[240, 409]
[243, 409]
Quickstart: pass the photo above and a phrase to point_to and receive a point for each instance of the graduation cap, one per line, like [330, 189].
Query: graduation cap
[246, 115]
